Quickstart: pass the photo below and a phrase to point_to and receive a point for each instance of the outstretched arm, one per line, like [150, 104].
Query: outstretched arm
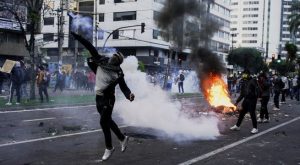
[86, 44]
[124, 88]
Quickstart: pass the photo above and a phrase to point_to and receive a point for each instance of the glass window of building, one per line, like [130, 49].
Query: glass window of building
[49, 21]
[122, 16]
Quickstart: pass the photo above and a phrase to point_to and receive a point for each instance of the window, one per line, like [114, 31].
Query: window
[234, 3]
[251, 2]
[101, 17]
[156, 34]
[250, 15]
[116, 34]
[249, 41]
[234, 16]
[49, 21]
[156, 15]
[233, 29]
[124, 1]
[250, 22]
[48, 37]
[101, 2]
[160, 1]
[249, 28]
[251, 9]
[122, 16]
[249, 35]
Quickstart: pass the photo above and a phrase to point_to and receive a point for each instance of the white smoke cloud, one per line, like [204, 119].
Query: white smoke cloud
[153, 108]
[81, 23]
[190, 84]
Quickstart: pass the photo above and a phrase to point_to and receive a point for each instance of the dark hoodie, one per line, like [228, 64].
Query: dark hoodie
[107, 75]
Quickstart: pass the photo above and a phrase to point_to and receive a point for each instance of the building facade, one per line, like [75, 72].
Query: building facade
[254, 24]
[10, 32]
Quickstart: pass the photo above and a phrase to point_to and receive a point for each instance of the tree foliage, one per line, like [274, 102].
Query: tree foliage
[283, 67]
[291, 50]
[247, 58]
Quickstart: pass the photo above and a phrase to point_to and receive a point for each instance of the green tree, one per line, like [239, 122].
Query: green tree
[283, 67]
[141, 66]
[291, 50]
[294, 18]
[247, 58]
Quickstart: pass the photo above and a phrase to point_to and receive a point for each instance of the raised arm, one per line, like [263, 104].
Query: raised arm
[86, 44]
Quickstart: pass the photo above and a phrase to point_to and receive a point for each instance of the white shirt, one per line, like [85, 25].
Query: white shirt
[103, 79]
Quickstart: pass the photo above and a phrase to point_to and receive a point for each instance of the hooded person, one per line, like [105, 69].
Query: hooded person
[17, 76]
[108, 75]
[249, 94]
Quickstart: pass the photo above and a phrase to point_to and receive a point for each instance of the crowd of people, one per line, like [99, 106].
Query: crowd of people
[261, 88]
[17, 82]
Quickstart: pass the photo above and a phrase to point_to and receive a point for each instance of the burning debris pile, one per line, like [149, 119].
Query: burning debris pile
[198, 31]
[216, 93]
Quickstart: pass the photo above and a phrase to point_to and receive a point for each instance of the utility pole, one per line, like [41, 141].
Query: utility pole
[95, 22]
[60, 29]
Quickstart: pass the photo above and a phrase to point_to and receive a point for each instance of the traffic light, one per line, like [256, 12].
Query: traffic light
[279, 58]
[143, 27]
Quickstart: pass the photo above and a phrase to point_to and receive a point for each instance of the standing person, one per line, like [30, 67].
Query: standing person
[108, 75]
[285, 89]
[27, 78]
[180, 80]
[278, 86]
[295, 89]
[2, 78]
[265, 85]
[249, 92]
[17, 77]
[42, 81]
[60, 81]
[91, 80]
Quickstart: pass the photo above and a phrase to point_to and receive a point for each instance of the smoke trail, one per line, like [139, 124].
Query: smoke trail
[196, 30]
[153, 109]
[82, 24]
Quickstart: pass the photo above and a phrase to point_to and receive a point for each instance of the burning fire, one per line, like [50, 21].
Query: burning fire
[216, 93]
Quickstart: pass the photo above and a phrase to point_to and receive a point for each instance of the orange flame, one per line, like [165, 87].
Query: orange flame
[216, 93]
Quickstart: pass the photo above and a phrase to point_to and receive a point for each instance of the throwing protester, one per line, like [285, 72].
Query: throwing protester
[108, 75]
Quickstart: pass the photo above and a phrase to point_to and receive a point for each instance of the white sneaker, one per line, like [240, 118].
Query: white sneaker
[266, 120]
[235, 128]
[259, 120]
[276, 109]
[254, 130]
[124, 143]
[9, 103]
[107, 154]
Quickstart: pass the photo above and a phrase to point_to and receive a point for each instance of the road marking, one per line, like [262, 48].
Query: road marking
[53, 137]
[45, 109]
[50, 118]
[41, 119]
[212, 153]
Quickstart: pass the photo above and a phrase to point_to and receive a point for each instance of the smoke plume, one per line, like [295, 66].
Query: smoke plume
[196, 26]
[153, 108]
[81, 24]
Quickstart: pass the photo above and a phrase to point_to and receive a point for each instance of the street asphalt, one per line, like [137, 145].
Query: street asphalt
[72, 135]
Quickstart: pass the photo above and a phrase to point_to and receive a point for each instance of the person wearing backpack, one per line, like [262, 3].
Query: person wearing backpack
[249, 94]
[180, 80]
[17, 77]
[264, 85]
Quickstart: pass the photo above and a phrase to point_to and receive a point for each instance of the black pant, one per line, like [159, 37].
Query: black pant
[105, 105]
[1, 83]
[276, 98]
[264, 107]
[59, 85]
[284, 92]
[43, 89]
[248, 105]
[180, 86]
[13, 87]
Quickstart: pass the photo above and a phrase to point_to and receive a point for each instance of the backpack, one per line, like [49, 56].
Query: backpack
[181, 77]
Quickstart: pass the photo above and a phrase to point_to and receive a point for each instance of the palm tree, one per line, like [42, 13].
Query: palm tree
[291, 51]
[294, 18]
